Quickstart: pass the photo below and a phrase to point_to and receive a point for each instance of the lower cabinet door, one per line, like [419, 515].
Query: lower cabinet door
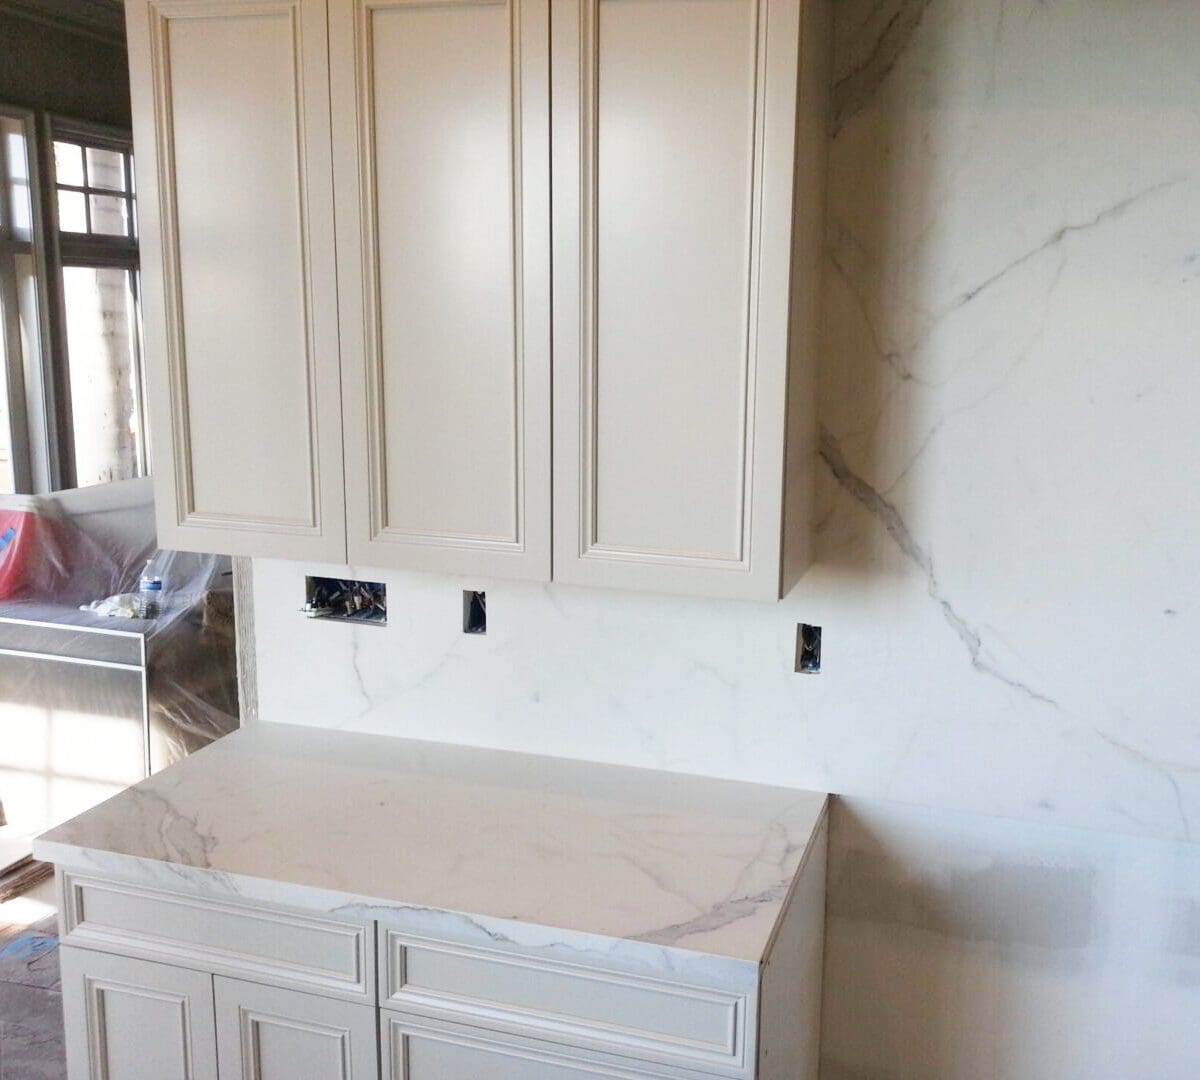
[265, 1033]
[135, 1020]
[417, 1050]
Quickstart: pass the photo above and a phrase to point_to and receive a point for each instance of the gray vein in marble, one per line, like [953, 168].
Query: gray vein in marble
[182, 840]
[739, 905]
[892, 357]
[1162, 770]
[1019, 360]
[1057, 237]
[895, 358]
[359, 677]
[852, 91]
[879, 507]
[718, 917]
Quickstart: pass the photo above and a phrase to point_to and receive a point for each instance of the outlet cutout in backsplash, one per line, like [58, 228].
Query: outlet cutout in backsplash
[808, 649]
[345, 600]
[474, 612]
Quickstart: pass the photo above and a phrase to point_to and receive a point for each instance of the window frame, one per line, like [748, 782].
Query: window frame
[95, 249]
[39, 385]
[33, 416]
[69, 249]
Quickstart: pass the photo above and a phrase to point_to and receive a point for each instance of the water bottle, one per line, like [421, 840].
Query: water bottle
[149, 603]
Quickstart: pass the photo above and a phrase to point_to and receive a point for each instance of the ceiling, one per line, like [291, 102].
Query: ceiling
[103, 19]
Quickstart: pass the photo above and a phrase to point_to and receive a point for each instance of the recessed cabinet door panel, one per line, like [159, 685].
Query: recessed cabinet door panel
[442, 165]
[232, 143]
[135, 1020]
[673, 179]
[417, 1050]
[264, 1033]
[673, 161]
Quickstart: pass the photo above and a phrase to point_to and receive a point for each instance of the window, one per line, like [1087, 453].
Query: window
[94, 187]
[97, 246]
[72, 403]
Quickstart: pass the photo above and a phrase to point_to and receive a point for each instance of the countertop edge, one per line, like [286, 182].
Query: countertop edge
[486, 931]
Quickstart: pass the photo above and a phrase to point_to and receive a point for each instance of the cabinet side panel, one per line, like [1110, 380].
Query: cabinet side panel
[808, 261]
[789, 1029]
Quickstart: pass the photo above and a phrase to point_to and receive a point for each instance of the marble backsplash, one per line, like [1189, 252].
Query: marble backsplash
[1008, 575]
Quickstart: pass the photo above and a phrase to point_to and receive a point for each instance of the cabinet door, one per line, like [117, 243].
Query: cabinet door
[441, 157]
[134, 1020]
[231, 132]
[673, 147]
[418, 1050]
[264, 1033]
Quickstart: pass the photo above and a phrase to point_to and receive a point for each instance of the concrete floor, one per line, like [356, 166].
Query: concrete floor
[31, 1029]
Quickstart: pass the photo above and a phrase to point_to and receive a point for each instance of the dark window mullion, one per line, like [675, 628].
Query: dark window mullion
[88, 190]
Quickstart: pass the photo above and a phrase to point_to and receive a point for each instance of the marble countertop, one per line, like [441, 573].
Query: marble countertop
[339, 821]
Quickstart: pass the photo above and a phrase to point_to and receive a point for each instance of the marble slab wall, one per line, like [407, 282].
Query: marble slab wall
[1008, 576]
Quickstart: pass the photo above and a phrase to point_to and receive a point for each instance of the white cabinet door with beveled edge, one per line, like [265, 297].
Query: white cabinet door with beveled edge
[235, 189]
[135, 1020]
[441, 163]
[415, 1048]
[266, 1033]
[674, 142]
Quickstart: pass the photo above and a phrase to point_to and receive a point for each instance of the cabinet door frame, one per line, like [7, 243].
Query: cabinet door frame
[88, 975]
[397, 1031]
[320, 534]
[240, 1006]
[526, 554]
[753, 571]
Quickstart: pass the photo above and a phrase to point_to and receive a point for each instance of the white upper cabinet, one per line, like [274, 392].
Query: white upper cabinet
[231, 124]
[684, 314]
[442, 171]
[684, 140]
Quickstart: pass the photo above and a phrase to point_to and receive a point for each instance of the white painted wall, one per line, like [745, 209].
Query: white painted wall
[1008, 577]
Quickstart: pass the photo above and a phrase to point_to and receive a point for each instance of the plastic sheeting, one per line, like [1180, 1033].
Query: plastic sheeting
[175, 675]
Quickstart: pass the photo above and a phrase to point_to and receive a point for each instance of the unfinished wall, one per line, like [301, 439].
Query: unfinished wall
[48, 68]
[972, 947]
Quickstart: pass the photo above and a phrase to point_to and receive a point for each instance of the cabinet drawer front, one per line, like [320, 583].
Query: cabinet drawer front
[413, 1049]
[279, 947]
[686, 1025]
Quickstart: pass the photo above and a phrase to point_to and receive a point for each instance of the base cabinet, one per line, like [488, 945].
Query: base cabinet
[160, 986]
[266, 1033]
[132, 1019]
